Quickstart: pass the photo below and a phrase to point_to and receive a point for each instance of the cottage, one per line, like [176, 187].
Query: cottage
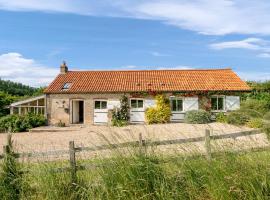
[85, 97]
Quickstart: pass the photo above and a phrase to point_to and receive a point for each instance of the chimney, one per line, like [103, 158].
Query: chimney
[63, 68]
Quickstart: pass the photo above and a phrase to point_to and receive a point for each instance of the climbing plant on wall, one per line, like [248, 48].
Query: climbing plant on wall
[120, 116]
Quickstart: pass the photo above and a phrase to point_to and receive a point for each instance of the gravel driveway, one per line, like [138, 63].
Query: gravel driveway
[53, 138]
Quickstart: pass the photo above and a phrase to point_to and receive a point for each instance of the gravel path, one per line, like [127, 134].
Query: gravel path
[53, 138]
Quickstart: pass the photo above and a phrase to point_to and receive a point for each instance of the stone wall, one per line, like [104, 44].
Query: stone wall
[59, 106]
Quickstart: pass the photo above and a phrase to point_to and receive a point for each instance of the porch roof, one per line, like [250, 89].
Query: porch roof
[31, 99]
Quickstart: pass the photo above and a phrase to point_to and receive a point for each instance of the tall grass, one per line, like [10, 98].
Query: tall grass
[148, 176]
[142, 174]
[11, 182]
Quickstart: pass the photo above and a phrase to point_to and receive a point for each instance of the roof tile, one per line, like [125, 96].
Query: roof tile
[144, 80]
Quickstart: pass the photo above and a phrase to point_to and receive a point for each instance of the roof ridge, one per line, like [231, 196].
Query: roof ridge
[149, 70]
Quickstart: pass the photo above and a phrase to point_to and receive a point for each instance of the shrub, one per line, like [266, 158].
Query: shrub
[120, 117]
[19, 123]
[255, 123]
[221, 117]
[261, 106]
[197, 117]
[237, 118]
[161, 113]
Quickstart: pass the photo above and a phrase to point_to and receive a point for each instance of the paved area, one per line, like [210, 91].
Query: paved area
[52, 138]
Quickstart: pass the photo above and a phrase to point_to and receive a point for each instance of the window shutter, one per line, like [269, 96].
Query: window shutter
[191, 103]
[113, 104]
[148, 103]
[232, 102]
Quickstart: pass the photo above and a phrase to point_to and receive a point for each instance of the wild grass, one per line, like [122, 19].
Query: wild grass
[140, 173]
[151, 176]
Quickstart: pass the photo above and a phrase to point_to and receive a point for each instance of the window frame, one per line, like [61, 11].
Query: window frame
[217, 98]
[176, 99]
[137, 100]
[100, 104]
[67, 86]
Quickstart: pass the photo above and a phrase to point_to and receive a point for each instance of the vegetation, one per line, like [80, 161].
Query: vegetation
[16, 89]
[221, 117]
[147, 177]
[60, 124]
[11, 92]
[161, 113]
[197, 117]
[11, 182]
[120, 117]
[237, 118]
[255, 123]
[20, 123]
[5, 100]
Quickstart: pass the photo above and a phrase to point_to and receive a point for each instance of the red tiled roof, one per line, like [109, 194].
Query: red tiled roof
[145, 80]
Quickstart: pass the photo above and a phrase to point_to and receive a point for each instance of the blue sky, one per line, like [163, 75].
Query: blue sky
[36, 36]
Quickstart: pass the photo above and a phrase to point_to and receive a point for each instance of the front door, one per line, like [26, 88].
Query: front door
[100, 112]
[137, 111]
[77, 112]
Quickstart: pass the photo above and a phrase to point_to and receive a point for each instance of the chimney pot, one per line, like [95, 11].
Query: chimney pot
[63, 68]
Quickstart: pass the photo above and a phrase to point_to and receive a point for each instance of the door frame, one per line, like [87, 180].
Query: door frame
[143, 109]
[71, 111]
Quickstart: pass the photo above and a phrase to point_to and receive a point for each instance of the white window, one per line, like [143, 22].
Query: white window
[136, 103]
[217, 103]
[176, 105]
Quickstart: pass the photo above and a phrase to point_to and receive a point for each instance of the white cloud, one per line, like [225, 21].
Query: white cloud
[249, 43]
[256, 44]
[158, 54]
[14, 67]
[264, 55]
[180, 67]
[213, 17]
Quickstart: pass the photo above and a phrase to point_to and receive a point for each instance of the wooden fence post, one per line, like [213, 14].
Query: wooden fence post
[5, 149]
[142, 143]
[72, 161]
[207, 144]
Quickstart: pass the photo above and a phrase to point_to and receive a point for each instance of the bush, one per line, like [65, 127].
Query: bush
[161, 113]
[197, 117]
[261, 106]
[120, 117]
[237, 118]
[119, 122]
[255, 123]
[221, 117]
[20, 123]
